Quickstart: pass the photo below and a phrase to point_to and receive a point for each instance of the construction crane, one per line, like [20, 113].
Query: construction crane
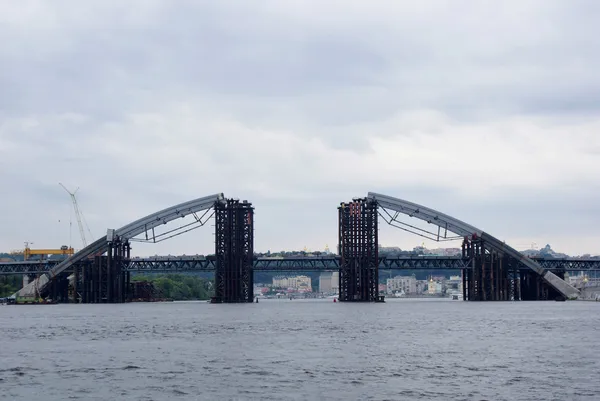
[78, 214]
[64, 250]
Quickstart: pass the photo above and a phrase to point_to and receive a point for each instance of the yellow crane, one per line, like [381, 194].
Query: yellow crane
[64, 250]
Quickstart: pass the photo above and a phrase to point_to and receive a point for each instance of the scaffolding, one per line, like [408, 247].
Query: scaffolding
[234, 252]
[358, 247]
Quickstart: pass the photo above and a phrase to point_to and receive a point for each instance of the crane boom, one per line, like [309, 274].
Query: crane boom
[77, 213]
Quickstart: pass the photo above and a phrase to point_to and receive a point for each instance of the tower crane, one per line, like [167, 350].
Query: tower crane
[78, 214]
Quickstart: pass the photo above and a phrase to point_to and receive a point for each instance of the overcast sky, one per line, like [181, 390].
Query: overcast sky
[487, 111]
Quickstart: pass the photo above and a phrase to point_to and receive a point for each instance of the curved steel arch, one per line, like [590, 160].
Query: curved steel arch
[463, 229]
[126, 232]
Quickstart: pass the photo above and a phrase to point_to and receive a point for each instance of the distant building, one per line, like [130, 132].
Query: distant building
[434, 287]
[443, 252]
[280, 282]
[296, 283]
[421, 286]
[454, 283]
[405, 284]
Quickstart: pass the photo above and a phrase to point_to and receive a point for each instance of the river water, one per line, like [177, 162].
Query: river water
[301, 350]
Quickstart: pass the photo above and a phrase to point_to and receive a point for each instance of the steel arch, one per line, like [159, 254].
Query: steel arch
[463, 229]
[126, 232]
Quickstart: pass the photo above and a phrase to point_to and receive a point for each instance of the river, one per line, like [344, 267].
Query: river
[301, 350]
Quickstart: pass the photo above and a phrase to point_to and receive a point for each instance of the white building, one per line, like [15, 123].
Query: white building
[297, 282]
[280, 282]
[406, 284]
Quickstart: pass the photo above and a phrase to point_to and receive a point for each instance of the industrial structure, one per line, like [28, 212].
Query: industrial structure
[103, 277]
[187, 264]
[234, 251]
[78, 215]
[359, 247]
[492, 259]
[491, 270]
[44, 253]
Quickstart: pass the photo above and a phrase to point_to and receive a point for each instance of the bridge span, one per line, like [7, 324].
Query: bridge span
[492, 270]
[178, 264]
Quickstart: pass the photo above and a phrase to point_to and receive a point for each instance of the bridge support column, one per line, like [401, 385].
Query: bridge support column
[84, 286]
[528, 284]
[76, 298]
[534, 288]
[465, 282]
[103, 281]
[58, 290]
[512, 279]
[234, 252]
[491, 277]
[359, 251]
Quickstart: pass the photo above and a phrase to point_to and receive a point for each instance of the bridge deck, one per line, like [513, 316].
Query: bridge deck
[192, 264]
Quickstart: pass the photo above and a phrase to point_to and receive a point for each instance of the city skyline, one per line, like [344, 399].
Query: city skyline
[297, 108]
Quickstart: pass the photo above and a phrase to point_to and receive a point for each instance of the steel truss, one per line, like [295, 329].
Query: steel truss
[298, 264]
[234, 251]
[358, 242]
[58, 290]
[495, 276]
[309, 263]
[171, 265]
[489, 245]
[106, 279]
[424, 262]
[492, 276]
[533, 288]
[129, 232]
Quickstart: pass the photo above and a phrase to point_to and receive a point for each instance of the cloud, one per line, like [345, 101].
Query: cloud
[477, 111]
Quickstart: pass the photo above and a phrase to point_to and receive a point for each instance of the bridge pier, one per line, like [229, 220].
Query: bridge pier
[359, 251]
[534, 288]
[234, 252]
[499, 277]
[105, 280]
[493, 276]
[58, 290]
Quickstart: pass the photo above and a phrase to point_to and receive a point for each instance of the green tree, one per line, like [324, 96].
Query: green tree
[9, 285]
[179, 287]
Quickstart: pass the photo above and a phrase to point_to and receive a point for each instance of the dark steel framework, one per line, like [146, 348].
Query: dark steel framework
[358, 242]
[234, 250]
[491, 277]
[58, 290]
[309, 263]
[106, 279]
[128, 233]
[491, 258]
[495, 276]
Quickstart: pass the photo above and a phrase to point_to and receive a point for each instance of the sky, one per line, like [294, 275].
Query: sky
[486, 111]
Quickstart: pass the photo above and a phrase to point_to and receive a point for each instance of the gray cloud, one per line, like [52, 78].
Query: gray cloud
[487, 112]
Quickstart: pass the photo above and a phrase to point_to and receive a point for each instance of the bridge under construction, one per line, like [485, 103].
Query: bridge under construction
[491, 270]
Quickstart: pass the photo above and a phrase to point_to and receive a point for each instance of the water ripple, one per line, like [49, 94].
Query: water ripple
[417, 350]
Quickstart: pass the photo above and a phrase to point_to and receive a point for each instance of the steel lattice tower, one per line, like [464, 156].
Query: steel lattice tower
[234, 251]
[359, 251]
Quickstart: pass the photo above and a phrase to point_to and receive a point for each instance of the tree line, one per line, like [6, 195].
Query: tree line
[9, 285]
[179, 287]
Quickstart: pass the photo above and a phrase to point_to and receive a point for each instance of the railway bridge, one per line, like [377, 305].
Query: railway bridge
[491, 270]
